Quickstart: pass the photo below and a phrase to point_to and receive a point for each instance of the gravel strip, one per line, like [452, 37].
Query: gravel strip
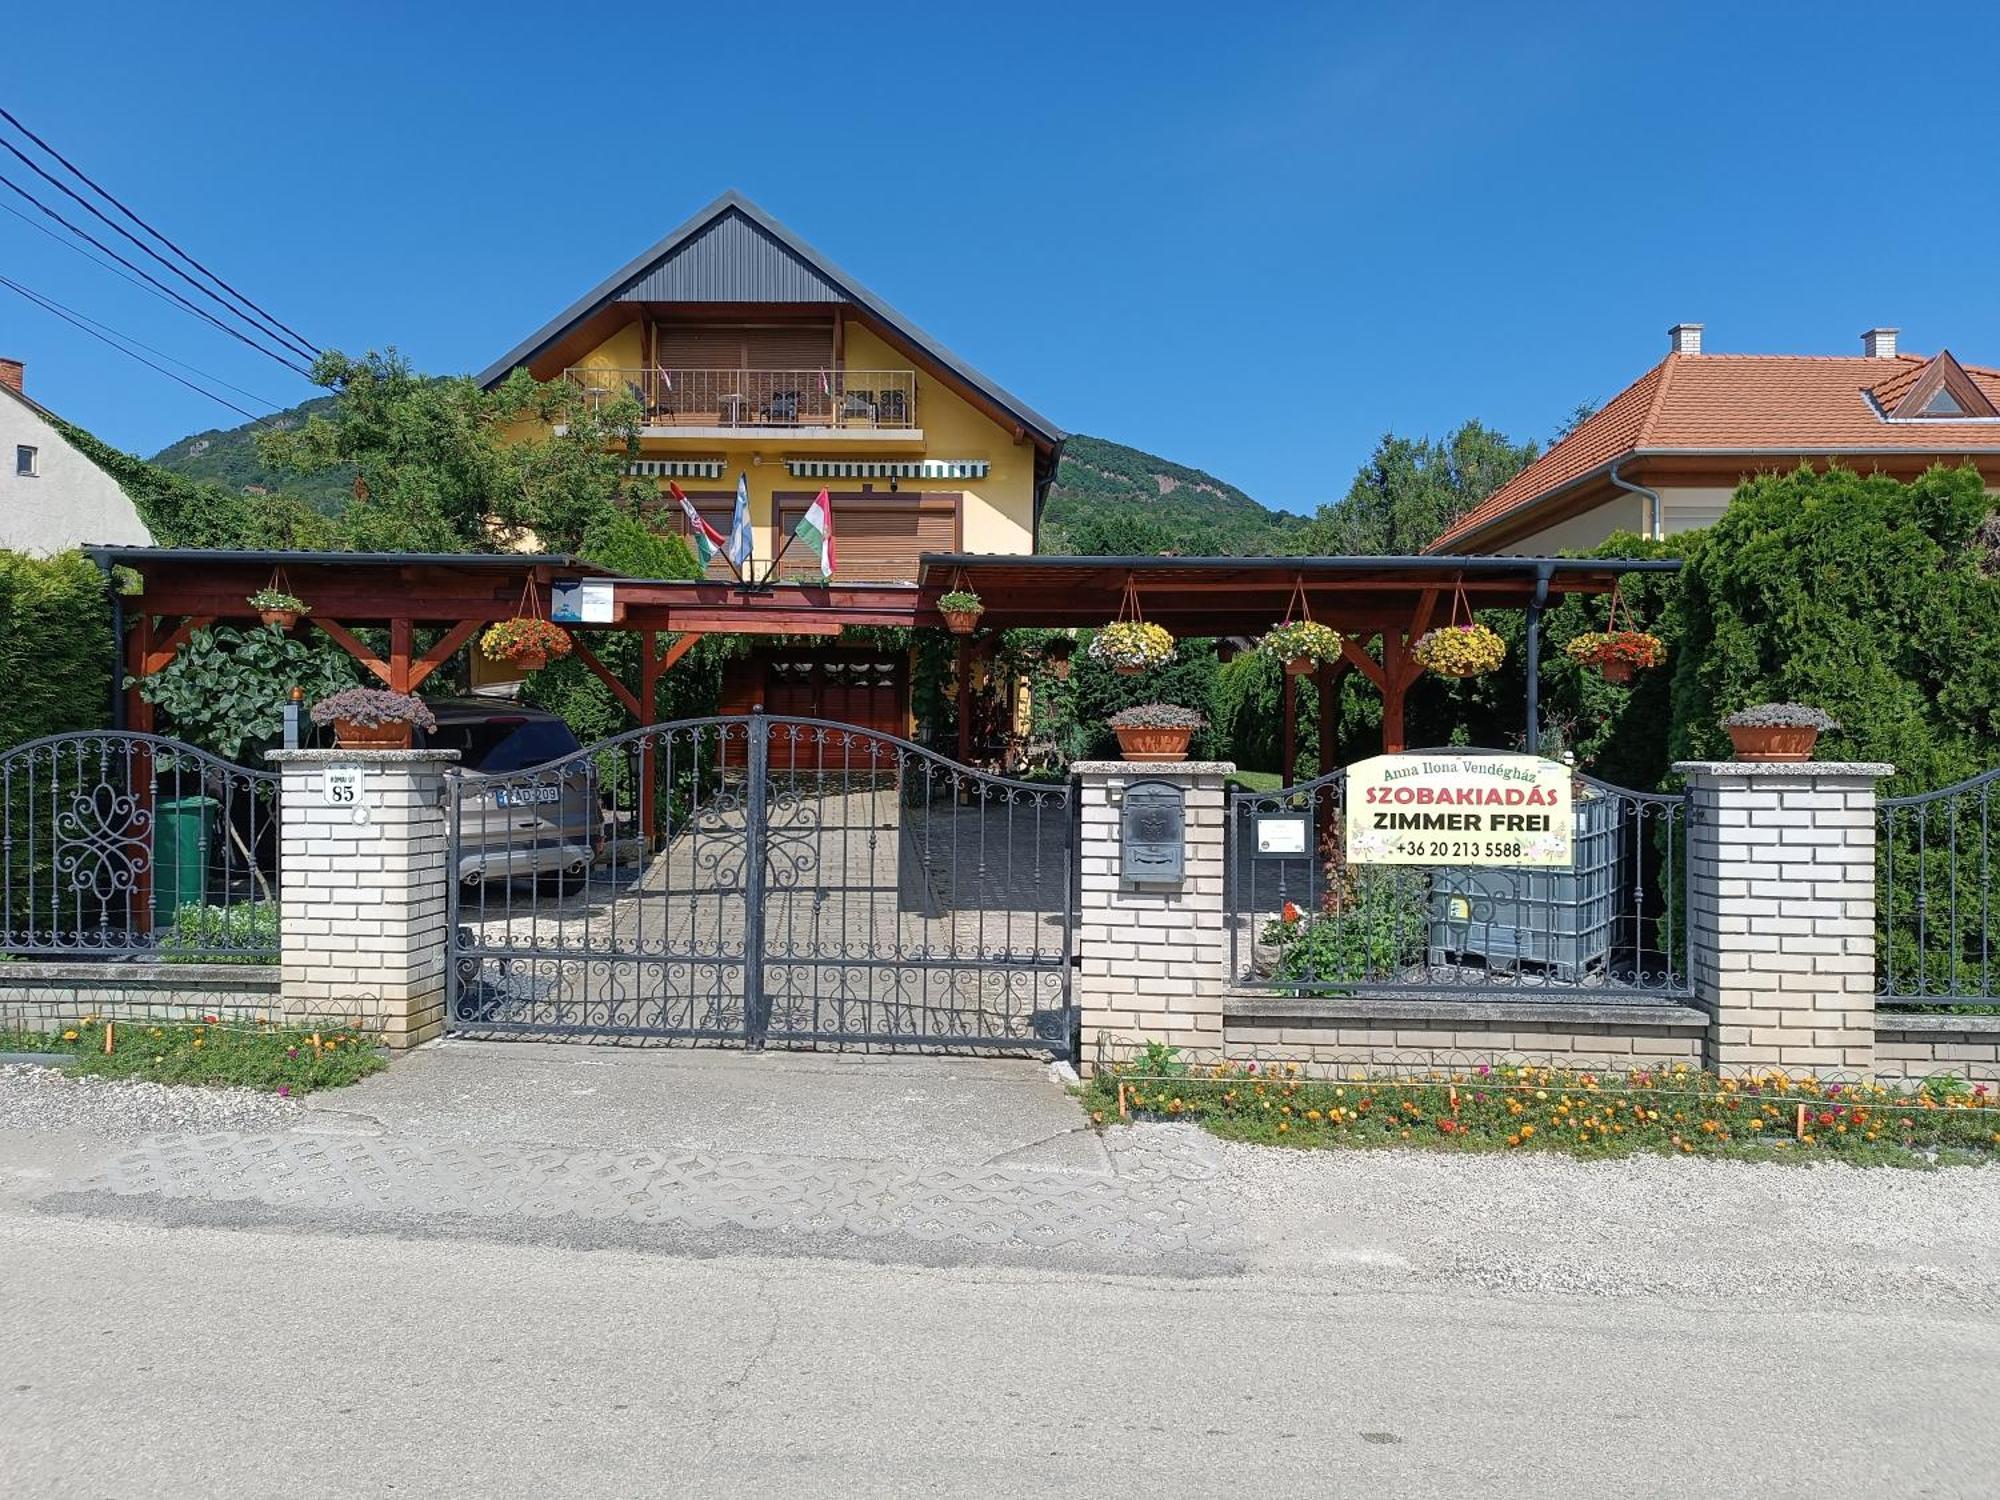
[1768, 1233]
[40, 1098]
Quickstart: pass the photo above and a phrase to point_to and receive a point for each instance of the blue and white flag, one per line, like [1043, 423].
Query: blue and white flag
[737, 548]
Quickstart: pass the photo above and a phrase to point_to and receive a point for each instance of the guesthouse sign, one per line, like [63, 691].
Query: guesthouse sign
[1442, 807]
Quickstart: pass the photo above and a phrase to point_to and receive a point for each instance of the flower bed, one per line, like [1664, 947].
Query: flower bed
[1521, 1107]
[286, 1060]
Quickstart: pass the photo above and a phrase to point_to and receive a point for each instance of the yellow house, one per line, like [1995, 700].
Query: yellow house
[754, 356]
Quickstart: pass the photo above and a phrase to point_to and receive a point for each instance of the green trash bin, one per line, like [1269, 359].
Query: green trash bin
[182, 831]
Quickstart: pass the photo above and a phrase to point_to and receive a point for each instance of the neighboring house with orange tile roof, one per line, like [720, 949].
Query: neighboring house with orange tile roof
[1668, 451]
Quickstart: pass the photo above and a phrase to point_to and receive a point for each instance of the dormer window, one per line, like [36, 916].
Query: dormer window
[1942, 391]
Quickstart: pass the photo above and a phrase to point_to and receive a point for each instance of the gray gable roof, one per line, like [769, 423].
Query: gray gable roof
[732, 251]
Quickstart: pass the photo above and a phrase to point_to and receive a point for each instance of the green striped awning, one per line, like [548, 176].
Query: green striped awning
[676, 468]
[888, 468]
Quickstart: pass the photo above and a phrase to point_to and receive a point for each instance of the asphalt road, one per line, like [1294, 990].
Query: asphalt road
[1396, 1324]
[143, 1361]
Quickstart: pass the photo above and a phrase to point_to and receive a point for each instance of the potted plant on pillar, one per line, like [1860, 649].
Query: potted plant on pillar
[1777, 731]
[1155, 731]
[372, 718]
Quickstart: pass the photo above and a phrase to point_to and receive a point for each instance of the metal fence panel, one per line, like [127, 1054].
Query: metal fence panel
[1935, 857]
[1610, 928]
[119, 844]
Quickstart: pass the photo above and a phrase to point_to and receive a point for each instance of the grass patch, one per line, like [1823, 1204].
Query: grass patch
[277, 1059]
[1254, 781]
[1671, 1111]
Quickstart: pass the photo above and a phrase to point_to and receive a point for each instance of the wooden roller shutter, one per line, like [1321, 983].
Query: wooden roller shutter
[696, 347]
[878, 537]
[788, 348]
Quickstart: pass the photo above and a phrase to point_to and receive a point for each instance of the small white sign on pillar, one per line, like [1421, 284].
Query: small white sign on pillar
[343, 789]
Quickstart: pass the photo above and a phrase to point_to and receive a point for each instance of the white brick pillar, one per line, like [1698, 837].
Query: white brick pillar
[1153, 957]
[364, 887]
[1781, 912]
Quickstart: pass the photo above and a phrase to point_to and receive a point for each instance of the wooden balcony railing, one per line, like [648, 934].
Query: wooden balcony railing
[760, 398]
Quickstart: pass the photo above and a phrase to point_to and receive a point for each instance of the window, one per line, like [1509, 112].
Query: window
[27, 461]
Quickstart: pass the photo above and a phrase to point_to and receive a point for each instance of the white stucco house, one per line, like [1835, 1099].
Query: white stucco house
[53, 498]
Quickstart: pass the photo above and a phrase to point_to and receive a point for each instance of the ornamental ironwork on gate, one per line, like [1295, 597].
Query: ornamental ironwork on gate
[126, 845]
[1935, 857]
[762, 880]
[1609, 927]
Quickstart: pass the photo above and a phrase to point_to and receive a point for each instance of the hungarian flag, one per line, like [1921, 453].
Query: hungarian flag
[705, 537]
[815, 529]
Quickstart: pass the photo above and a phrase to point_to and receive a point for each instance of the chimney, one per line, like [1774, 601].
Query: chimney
[1686, 337]
[1879, 343]
[13, 375]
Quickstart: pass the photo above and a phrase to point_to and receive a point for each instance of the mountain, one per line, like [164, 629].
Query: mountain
[228, 455]
[1106, 499]
[1109, 499]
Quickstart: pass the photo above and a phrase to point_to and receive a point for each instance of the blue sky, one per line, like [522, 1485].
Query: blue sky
[1251, 239]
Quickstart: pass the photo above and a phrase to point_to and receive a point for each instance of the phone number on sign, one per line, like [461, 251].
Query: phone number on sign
[1458, 848]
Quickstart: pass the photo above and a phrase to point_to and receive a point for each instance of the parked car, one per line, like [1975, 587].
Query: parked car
[518, 824]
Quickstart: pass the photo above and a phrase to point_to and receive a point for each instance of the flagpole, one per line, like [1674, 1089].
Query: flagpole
[681, 495]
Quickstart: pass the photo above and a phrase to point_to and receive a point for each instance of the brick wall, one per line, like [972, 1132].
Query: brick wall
[1913, 1046]
[1153, 959]
[1781, 912]
[1422, 1034]
[364, 891]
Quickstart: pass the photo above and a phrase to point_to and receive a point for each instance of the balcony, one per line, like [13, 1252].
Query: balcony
[717, 403]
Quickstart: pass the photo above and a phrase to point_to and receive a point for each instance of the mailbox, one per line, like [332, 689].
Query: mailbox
[1153, 836]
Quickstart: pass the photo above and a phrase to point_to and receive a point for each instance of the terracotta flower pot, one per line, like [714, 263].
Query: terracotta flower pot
[1153, 742]
[530, 661]
[961, 621]
[284, 619]
[349, 735]
[1615, 671]
[1125, 669]
[1300, 666]
[1059, 668]
[1773, 742]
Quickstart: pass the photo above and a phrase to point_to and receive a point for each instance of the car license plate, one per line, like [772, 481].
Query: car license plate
[525, 796]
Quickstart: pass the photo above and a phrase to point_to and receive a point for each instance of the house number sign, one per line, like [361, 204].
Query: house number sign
[343, 789]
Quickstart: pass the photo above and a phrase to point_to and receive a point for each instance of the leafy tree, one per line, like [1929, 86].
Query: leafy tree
[442, 465]
[1859, 595]
[1410, 489]
[227, 688]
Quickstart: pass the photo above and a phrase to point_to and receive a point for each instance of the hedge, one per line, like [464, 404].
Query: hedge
[55, 646]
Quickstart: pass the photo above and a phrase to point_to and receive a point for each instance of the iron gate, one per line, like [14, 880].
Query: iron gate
[762, 880]
[1610, 927]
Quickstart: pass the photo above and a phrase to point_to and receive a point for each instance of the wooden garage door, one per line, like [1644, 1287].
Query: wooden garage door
[878, 536]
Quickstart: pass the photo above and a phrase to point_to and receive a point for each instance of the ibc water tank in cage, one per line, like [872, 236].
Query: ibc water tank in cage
[1553, 921]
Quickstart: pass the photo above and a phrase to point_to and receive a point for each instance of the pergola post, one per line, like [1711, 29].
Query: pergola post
[1328, 682]
[965, 700]
[1395, 683]
[648, 714]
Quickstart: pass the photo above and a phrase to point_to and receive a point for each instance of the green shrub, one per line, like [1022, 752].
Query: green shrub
[55, 646]
[246, 933]
[1378, 929]
[1856, 594]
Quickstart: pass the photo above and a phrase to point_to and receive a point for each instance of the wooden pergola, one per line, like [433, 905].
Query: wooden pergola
[1387, 601]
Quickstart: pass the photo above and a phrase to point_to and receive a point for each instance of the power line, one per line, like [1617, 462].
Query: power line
[270, 321]
[58, 307]
[46, 306]
[201, 313]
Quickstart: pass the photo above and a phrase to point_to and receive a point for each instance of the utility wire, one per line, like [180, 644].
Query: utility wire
[15, 286]
[201, 313]
[57, 307]
[284, 333]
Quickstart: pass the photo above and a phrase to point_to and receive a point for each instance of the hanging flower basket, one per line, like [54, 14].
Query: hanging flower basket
[525, 642]
[1055, 656]
[961, 609]
[1132, 646]
[372, 719]
[1469, 650]
[1301, 645]
[1617, 654]
[276, 607]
